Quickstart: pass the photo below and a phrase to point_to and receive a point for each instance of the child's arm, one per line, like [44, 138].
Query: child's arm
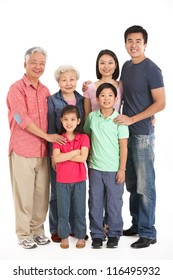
[83, 155]
[123, 158]
[61, 157]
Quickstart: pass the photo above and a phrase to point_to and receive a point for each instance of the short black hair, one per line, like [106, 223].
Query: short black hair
[106, 85]
[136, 29]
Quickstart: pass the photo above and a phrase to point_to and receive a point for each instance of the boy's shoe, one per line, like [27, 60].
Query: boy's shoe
[55, 238]
[97, 243]
[112, 242]
[41, 239]
[28, 243]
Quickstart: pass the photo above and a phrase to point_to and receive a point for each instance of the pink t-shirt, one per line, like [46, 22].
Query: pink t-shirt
[70, 171]
[91, 94]
[71, 102]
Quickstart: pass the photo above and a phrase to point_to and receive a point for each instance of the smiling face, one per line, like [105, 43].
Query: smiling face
[106, 98]
[106, 65]
[135, 46]
[35, 66]
[70, 121]
[67, 82]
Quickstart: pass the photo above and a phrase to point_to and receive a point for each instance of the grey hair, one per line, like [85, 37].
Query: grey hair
[31, 51]
[65, 68]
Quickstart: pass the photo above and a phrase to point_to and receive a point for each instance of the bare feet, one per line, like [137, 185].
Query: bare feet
[64, 243]
[80, 243]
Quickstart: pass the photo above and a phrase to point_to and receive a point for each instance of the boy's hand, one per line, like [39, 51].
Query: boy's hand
[120, 177]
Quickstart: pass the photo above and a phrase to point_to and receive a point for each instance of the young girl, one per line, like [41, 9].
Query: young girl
[71, 178]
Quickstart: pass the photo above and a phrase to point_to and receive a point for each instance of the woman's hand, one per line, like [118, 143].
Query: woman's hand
[85, 85]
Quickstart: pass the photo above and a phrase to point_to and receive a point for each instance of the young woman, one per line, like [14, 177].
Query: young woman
[107, 71]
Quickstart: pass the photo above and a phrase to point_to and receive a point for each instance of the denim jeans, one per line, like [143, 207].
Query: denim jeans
[102, 184]
[140, 182]
[53, 211]
[67, 195]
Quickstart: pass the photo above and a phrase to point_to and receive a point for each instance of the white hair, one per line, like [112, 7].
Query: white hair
[33, 50]
[65, 68]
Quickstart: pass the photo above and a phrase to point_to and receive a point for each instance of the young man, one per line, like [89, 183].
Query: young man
[28, 156]
[106, 163]
[144, 96]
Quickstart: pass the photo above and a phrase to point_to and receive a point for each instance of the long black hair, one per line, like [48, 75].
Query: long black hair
[115, 75]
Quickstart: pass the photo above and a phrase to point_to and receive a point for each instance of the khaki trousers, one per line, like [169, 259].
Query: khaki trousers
[30, 186]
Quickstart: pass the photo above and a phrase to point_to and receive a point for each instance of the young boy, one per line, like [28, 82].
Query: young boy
[106, 167]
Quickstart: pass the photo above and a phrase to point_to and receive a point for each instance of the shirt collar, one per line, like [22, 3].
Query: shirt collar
[77, 136]
[28, 82]
[111, 117]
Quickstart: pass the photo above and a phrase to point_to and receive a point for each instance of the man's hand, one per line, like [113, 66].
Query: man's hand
[56, 138]
[123, 119]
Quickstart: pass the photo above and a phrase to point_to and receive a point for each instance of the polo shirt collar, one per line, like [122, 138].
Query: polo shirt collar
[111, 117]
[76, 138]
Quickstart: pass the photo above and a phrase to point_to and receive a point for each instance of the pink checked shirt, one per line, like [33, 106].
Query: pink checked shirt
[26, 105]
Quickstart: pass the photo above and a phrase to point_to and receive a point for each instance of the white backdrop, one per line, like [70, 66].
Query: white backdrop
[73, 32]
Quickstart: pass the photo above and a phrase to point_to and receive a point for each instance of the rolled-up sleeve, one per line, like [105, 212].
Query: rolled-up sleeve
[18, 106]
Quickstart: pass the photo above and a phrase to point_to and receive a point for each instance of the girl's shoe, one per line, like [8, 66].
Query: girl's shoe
[64, 243]
[80, 244]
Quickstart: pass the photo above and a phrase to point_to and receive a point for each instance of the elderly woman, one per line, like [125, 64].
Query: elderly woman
[66, 77]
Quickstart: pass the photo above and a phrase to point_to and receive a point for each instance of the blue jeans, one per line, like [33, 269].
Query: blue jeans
[140, 182]
[103, 186]
[53, 212]
[71, 194]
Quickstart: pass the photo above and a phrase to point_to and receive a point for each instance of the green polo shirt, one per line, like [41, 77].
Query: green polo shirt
[104, 135]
